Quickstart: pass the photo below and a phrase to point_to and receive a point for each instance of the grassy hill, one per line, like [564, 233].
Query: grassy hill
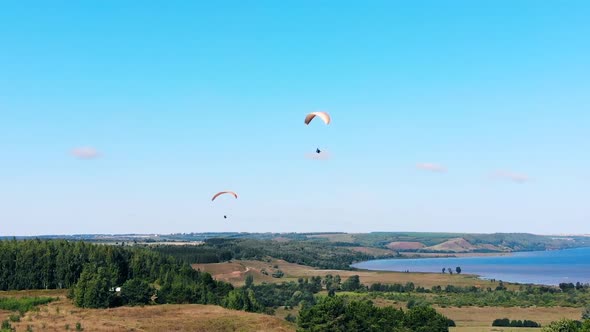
[62, 315]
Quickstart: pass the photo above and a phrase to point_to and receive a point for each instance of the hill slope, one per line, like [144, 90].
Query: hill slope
[171, 317]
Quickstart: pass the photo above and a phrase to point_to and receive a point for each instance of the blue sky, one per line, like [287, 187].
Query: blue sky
[186, 98]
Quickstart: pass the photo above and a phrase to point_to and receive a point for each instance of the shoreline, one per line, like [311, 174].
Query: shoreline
[407, 254]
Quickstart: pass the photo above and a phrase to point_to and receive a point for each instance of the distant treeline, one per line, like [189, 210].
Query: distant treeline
[312, 253]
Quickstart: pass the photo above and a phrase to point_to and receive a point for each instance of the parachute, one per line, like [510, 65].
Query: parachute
[322, 115]
[224, 192]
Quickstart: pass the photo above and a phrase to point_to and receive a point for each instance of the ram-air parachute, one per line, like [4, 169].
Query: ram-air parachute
[322, 115]
[223, 193]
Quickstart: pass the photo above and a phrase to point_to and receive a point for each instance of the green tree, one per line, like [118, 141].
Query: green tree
[249, 281]
[586, 313]
[326, 315]
[426, 319]
[564, 325]
[351, 284]
[93, 289]
[136, 292]
[458, 270]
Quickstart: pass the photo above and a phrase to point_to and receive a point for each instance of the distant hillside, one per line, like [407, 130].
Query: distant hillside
[397, 241]
[402, 246]
[460, 245]
[464, 243]
[453, 245]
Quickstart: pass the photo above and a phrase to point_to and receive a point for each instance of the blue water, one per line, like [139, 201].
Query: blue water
[538, 267]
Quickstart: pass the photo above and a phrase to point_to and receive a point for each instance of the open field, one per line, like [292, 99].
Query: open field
[471, 319]
[479, 319]
[188, 317]
[192, 317]
[236, 271]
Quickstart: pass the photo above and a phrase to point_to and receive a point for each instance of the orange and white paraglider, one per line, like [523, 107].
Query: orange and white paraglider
[224, 193]
[324, 116]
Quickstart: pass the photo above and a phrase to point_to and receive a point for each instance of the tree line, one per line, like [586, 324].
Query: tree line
[311, 253]
[337, 313]
[93, 273]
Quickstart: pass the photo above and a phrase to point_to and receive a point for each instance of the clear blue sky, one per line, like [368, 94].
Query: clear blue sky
[186, 98]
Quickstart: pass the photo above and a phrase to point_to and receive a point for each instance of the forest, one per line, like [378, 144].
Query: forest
[94, 273]
[314, 253]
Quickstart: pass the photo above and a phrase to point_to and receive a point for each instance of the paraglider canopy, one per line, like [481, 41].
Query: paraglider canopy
[224, 192]
[322, 115]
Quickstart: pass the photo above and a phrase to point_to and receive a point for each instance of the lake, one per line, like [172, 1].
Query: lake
[537, 267]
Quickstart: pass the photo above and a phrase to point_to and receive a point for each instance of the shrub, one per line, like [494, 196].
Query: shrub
[6, 326]
[564, 325]
[290, 318]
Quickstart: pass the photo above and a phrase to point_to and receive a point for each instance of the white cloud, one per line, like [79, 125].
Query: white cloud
[431, 167]
[85, 153]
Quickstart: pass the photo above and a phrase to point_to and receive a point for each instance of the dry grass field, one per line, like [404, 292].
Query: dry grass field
[480, 318]
[236, 271]
[62, 315]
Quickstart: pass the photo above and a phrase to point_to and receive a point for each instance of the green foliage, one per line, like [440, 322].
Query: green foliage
[249, 281]
[136, 292]
[586, 313]
[336, 314]
[332, 283]
[426, 319]
[455, 296]
[93, 289]
[243, 299]
[351, 284]
[564, 325]
[6, 327]
[291, 318]
[15, 318]
[314, 253]
[23, 304]
[79, 327]
[94, 271]
[399, 288]
[505, 322]
[278, 274]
